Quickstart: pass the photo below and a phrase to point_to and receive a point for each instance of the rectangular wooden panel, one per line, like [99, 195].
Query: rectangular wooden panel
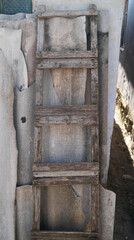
[66, 54]
[36, 207]
[48, 14]
[92, 179]
[51, 167]
[63, 235]
[85, 115]
[67, 63]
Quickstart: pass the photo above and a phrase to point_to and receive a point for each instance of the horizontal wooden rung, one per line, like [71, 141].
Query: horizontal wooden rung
[47, 181]
[66, 54]
[67, 63]
[67, 14]
[76, 166]
[85, 115]
[44, 235]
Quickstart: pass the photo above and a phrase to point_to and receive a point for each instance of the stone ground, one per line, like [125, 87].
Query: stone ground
[121, 164]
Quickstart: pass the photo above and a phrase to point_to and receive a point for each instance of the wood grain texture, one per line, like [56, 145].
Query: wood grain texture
[36, 207]
[94, 86]
[93, 33]
[67, 63]
[48, 14]
[66, 54]
[49, 167]
[95, 144]
[92, 179]
[65, 174]
[63, 235]
[95, 208]
[84, 115]
[39, 87]
[37, 144]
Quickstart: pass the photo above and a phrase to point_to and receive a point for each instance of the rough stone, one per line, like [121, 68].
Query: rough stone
[24, 207]
[8, 153]
[107, 213]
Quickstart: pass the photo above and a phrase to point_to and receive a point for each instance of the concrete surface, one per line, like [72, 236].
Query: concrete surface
[24, 124]
[107, 213]
[8, 152]
[24, 207]
[10, 43]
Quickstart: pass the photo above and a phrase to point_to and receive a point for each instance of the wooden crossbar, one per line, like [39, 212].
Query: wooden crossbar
[85, 115]
[67, 14]
[67, 63]
[66, 54]
[63, 235]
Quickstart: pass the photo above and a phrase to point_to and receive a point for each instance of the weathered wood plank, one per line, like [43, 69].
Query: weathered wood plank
[93, 179]
[67, 63]
[40, 29]
[93, 33]
[66, 54]
[45, 14]
[95, 144]
[85, 115]
[63, 235]
[36, 207]
[39, 87]
[51, 167]
[95, 208]
[94, 86]
[65, 174]
[37, 144]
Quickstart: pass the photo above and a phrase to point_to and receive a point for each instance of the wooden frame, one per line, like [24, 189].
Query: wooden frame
[66, 173]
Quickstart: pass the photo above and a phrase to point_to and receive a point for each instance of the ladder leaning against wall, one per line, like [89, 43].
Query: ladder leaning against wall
[46, 174]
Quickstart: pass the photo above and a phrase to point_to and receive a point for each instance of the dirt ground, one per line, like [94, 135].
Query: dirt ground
[120, 165]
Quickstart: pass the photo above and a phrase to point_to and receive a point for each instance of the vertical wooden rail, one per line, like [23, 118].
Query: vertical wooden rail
[95, 208]
[36, 207]
[38, 130]
[94, 99]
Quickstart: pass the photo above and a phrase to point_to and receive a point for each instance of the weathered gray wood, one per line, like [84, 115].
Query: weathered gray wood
[95, 144]
[66, 115]
[39, 87]
[95, 208]
[66, 54]
[48, 167]
[63, 235]
[37, 144]
[93, 33]
[94, 86]
[67, 63]
[91, 12]
[64, 174]
[92, 179]
[36, 207]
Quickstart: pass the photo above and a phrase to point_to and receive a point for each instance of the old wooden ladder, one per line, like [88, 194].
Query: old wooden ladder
[46, 174]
